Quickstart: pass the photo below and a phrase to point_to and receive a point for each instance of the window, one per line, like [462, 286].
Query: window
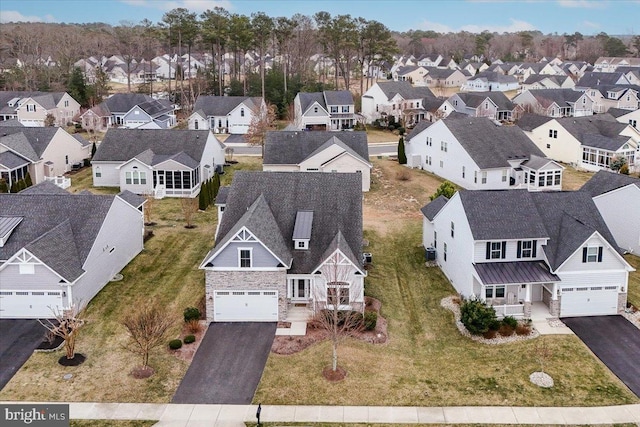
[195, 125]
[445, 251]
[245, 258]
[393, 106]
[337, 292]
[27, 269]
[127, 178]
[301, 244]
[66, 102]
[435, 239]
[526, 249]
[553, 133]
[315, 109]
[504, 175]
[31, 108]
[633, 123]
[496, 250]
[441, 163]
[242, 112]
[463, 172]
[418, 104]
[452, 228]
[443, 146]
[334, 108]
[345, 108]
[548, 146]
[484, 177]
[66, 160]
[98, 172]
[592, 254]
[428, 160]
[494, 291]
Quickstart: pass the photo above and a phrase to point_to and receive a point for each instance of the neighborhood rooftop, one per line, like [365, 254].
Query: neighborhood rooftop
[293, 147]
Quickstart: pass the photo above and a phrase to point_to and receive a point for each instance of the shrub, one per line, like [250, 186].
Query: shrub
[505, 330]
[194, 326]
[401, 130]
[370, 320]
[175, 344]
[522, 329]
[477, 316]
[510, 321]
[191, 313]
[189, 339]
[402, 157]
[494, 325]
[624, 169]
[403, 175]
[490, 334]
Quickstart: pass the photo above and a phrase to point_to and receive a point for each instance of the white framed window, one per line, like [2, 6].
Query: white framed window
[334, 108]
[494, 291]
[592, 254]
[338, 293]
[98, 172]
[31, 108]
[463, 171]
[504, 175]
[196, 124]
[496, 250]
[66, 102]
[244, 257]
[444, 254]
[435, 239]
[484, 177]
[475, 177]
[127, 178]
[315, 109]
[526, 249]
[453, 227]
[242, 112]
[443, 146]
[441, 163]
[553, 133]
[345, 108]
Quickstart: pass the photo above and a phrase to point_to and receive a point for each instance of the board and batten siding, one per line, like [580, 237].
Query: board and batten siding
[511, 253]
[109, 174]
[117, 243]
[458, 267]
[624, 224]
[260, 256]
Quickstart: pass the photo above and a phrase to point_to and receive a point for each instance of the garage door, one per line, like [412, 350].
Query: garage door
[29, 304]
[246, 306]
[589, 301]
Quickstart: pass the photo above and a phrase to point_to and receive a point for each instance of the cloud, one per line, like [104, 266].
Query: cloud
[191, 5]
[583, 4]
[15, 16]
[514, 26]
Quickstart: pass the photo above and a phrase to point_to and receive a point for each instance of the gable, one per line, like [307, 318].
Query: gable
[227, 256]
[310, 112]
[327, 155]
[610, 259]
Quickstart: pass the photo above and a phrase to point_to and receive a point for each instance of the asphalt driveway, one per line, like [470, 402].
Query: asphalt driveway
[615, 341]
[18, 339]
[228, 365]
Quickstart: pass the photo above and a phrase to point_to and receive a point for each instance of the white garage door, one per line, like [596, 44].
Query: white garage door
[29, 304]
[246, 306]
[589, 301]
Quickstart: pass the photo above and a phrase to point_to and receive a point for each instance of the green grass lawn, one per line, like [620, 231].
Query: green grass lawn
[426, 361]
[634, 280]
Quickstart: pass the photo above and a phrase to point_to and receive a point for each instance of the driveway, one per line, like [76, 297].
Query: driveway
[615, 341]
[228, 364]
[18, 339]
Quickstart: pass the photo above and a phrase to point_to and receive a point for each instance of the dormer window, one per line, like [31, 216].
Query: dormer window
[315, 109]
[302, 230]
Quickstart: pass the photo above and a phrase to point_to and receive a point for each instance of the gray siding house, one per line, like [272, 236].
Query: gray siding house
[287, 242]
[59, 249]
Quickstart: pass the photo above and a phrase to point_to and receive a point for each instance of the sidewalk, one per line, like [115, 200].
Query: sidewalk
[235, 415]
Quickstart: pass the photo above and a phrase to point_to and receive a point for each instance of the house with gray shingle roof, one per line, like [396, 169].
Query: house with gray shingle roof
[287, 242]
[59, 249]
[491, 81]
[151, 114]
[518, 249]
[225, 114]
[589, 142]
[494, 105]
[163, 162]
[327, 110]
[401, 100]
[477, 153]
[318, 151]
[543, 81]
[41, 152]
[623, 116]
[617, 197]
[111, 111]
[555, 102]
[32, 108]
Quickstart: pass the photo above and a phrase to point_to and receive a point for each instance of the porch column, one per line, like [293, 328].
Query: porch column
[527, 301]
[554, 304]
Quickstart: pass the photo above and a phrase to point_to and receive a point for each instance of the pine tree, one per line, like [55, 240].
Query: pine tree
[27, 180]
[14, 187]
[402, 157]
[21, 185]
[216, 184]
[202, 197]
[4, 188]
[93, 150]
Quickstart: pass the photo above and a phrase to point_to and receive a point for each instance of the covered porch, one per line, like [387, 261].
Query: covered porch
[13, 168]
[512, 288]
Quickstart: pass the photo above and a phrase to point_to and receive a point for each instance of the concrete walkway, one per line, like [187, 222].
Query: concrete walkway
[185, 415]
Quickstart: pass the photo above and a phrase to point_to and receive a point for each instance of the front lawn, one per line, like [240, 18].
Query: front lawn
[166, 272]
[634, 280]
[426, 362]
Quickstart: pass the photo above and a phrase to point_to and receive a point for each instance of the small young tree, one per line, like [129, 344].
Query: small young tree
[446, 189]
[189, 207]
[477, 316]
[147, 326]
[49, 120]
[617, 163]
[402, 157]
[148, 207]
[4, 188]
[66, 325]
[331, 302]
[262, 121]
[27, 180]
[542, 353]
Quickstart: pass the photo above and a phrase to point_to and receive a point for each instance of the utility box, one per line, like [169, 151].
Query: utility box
[367, 258]
[430, 254]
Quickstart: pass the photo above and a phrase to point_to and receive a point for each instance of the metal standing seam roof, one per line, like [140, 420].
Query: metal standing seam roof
[515, 272]
[303, 224]
[7, 224]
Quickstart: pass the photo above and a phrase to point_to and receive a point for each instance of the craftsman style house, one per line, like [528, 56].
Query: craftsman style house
[160, 162]
[328, 110]
[59, 249]
[319, 151]
[516, 248]
[477, 154]
[287, 242]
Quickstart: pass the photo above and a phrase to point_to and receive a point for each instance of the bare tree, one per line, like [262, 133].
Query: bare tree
[261, 122]
[189, 207]
[66, 325]
[147, 327]
[542, 353]
[148, 207]
[337, 306]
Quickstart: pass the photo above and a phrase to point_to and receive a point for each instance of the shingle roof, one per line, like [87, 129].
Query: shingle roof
[293, 147]
[431, 209]
[29, 142]
[602, 130]
[334, 199]
[531, 121]
[489, 145]
[405, 90]
[493, 76]
[57, 228]
[338, 97]
[605, 181]
[615, 112]
[536, 162]
[535, 78]
[566, 218]
[593, 79]
[307, 99]
[475, 99]
[133, 199]
[562, 97]
[121, 145]
[123, 102]
[223, 105]
[154, 107]
[10, 160]
[223, 192]
[422, 125]
[45, 187]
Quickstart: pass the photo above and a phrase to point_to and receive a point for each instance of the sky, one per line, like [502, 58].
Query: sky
[615, 17]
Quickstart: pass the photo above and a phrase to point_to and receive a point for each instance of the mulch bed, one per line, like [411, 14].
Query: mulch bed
[141, 372]
[78, 359]
[47, 345]
[337, 375]
[284, 344]
[187, 351]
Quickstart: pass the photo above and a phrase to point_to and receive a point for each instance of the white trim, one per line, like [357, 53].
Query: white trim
[244, 268]
[360, 159]
[24, 251]
[616, 190]
[240, 249]
[605, 244]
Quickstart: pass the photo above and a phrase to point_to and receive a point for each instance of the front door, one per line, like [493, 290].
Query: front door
[160, 177]
[299, 289]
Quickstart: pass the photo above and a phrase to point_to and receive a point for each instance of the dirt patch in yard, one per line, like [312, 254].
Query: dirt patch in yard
[397, 194]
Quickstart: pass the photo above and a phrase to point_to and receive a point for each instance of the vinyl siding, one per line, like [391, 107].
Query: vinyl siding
[140, 167]
[610, 260]
[511, 254]
[110, 176]
[230, 256]
[623, 223]
[565, 148]
[62, 145]
[346, 163]
[42, 279]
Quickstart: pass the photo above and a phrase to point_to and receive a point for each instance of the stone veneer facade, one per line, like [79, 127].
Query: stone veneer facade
[246, 280]
[622, 302]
